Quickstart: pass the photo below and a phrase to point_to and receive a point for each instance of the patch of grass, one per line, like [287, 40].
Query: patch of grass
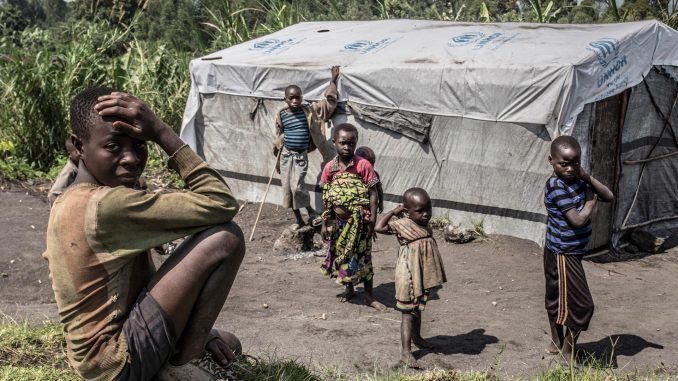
[38, 353]
[439, 222]
[36, 373]
[24, 345]
[479, 228]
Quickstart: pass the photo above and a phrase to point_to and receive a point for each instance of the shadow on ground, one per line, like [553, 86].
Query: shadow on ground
[470, 343]
[604, 352]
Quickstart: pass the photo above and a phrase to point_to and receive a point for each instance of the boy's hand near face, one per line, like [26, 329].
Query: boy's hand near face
[398, 210]
[139, 121]
[596, 187]
[382, 225]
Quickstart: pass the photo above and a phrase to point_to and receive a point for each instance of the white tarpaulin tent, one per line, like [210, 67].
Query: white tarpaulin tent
[466, 111]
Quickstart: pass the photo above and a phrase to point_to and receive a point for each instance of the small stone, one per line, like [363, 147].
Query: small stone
[32, 226]
[12, 262]
[494, 304]
[39, 281]
[658, 329]
[457, 234]
[323, 317]
[294, 239]
[265, 305]
[3, 275]
[501, 288]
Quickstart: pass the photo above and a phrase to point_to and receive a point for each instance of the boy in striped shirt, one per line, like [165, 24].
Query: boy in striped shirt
[299, 130]
[570, 196]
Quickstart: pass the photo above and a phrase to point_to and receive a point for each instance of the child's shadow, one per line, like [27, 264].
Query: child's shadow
[604, 352]
[470, 343]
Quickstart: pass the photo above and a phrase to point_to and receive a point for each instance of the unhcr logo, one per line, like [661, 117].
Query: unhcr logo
[465, 39]
[274, 45]
[366, 46]
[606, 50]
[480, 40]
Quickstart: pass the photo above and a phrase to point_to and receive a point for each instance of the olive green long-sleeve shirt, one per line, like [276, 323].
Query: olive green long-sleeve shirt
[97, 248]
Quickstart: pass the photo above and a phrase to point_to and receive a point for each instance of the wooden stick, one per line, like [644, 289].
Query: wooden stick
[265, 194]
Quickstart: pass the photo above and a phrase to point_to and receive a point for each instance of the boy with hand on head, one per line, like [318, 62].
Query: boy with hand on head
[121, 320]
[570, 196]
[419, 268]
[67, 174]
[350, 198]
[367, 153]
[299, 130]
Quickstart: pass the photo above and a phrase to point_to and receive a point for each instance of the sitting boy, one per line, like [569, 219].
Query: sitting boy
[121, 321]
[67, 174]
[298, 132]
[569, 196]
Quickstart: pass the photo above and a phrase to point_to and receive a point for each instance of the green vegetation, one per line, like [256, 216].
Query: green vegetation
[52, 49]
[38, 353]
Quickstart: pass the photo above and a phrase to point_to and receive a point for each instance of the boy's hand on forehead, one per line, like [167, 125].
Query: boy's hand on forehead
[140, 122]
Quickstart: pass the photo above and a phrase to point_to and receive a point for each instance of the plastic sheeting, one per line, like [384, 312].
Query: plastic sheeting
[648, 191]
[509, 72]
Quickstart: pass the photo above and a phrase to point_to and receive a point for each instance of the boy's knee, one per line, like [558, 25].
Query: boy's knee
[229, 241]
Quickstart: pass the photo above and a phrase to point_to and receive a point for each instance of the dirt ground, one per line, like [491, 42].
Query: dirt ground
[489, 316]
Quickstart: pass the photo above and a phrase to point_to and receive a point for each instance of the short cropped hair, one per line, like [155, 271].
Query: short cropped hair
[290, 88]
[366, 153]
[564, 142]
[348, 127]
[415, 192]
[82, 110]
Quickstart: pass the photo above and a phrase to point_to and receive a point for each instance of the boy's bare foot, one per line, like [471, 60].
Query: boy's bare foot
[347, 295]
[552, 349]
[422, 343]
[370, 301]
[407, 360]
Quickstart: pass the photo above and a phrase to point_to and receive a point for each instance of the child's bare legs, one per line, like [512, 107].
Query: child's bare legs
[192, 285]
[369, 299]
[311, 215]
[297, 216]
[407, 328]
[419, 341]
[347, 294]
[556, 337]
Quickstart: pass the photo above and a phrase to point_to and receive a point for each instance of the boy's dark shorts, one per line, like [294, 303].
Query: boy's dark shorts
[568, 299]
[150, 339]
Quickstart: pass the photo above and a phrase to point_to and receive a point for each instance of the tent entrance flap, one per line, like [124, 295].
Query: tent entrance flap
[413, 125]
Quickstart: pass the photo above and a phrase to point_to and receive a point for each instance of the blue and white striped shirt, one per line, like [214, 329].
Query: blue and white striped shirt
[295, 128]
[559, 197]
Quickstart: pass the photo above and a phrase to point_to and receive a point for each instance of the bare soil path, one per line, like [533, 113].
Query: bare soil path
[489, 315]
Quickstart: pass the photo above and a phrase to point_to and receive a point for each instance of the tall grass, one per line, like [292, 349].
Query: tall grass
[43, 69]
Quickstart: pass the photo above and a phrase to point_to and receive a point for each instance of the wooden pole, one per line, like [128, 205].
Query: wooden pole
[261, 206]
